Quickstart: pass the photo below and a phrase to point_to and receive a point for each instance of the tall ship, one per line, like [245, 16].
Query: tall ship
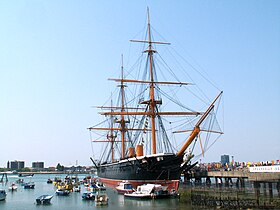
[137, 134]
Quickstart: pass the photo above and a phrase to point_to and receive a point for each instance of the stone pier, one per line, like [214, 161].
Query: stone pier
[264, 179]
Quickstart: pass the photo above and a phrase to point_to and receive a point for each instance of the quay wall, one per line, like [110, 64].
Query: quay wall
[251, 176]
[244, 174]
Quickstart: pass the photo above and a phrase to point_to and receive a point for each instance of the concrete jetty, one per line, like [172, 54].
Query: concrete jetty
[232, 187]
[225, 177]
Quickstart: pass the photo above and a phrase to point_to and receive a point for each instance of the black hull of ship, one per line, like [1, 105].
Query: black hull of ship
[165, 169]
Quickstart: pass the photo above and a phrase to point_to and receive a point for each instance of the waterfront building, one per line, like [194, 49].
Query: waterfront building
[15, 165]
[225, 160]
[51, 168]
[37, 165]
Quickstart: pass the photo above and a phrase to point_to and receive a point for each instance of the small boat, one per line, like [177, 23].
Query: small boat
[50, 181]
[149, 191]
[56, 181]
[13, 187]
[76, 188]
[3, 195]
[20, 181]
[44, 199]
[88, 196]
[62, 192]
[25, 175]
[66, 184]
[75, 180]
[125, 187]
[101, 199]
[95, 187]
[29, 185]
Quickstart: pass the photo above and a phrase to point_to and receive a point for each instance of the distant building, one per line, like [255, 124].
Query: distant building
[37, 165]
[225, 160]
[51, 169]
[15, 165]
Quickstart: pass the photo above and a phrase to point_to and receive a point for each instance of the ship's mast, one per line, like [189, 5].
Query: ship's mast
[110, 137]
[122, 117]
[152, 103]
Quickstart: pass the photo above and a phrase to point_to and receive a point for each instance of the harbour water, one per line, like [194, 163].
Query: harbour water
[24, 199]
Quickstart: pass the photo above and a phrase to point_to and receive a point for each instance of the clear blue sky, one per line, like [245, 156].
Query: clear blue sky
[56, 56]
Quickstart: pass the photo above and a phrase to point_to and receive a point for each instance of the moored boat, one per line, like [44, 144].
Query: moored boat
[101, 199]
[29, 185]
[3, 194]
[49, 181]
[62, 192]
[149, 191]
[67, 184]
[88, 196]
[44, 199]
[25, 175]
[13, 187]
[20, 181]
[124, 187]
[95, 187]
[56, 181]
[76, 188]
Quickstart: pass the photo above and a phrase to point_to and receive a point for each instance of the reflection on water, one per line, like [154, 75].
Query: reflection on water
[24, 199]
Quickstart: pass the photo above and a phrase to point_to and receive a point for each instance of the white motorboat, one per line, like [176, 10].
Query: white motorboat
[13, 187]
[149, 191]
[44, 199]
[62, 192]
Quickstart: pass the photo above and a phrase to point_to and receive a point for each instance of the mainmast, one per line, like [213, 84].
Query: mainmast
[152, 103]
